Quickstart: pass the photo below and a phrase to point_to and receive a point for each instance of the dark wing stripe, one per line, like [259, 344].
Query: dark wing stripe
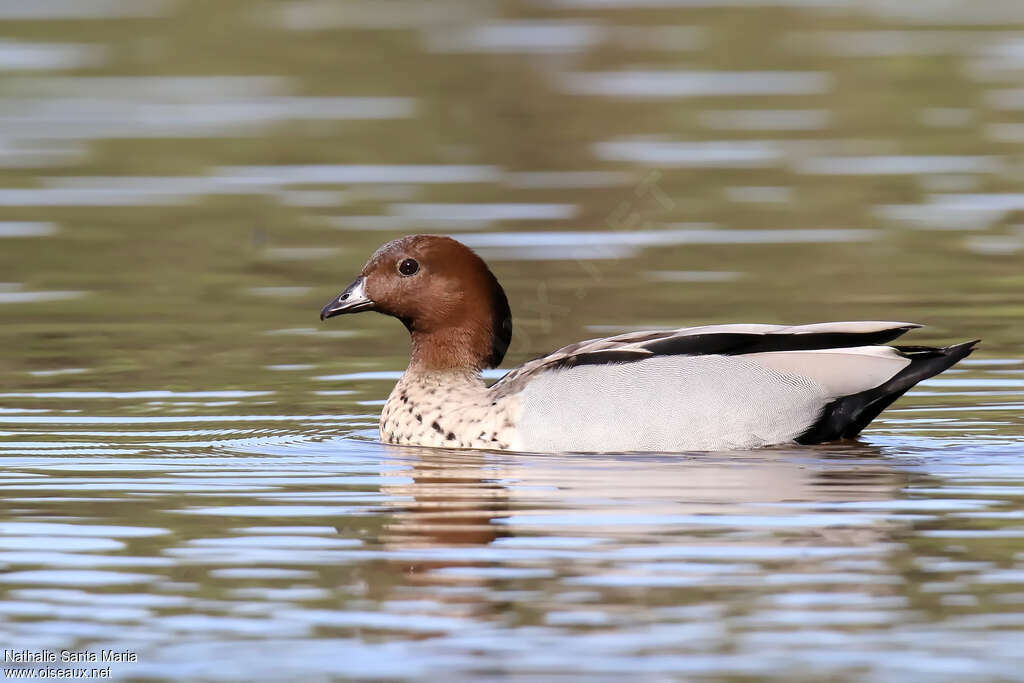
[845, 417]
[735, 344]
[726, 344]
[639, 346]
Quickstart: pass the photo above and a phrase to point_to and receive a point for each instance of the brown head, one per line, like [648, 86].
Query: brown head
[446, 296]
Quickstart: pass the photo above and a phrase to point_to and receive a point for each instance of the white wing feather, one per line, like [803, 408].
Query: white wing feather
[841, 372]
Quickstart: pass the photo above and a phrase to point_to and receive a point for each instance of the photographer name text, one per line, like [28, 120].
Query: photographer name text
[66, 656]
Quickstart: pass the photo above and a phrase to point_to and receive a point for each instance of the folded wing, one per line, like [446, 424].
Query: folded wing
[709, 339]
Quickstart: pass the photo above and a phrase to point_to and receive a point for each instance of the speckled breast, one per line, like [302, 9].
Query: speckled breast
[448, 413]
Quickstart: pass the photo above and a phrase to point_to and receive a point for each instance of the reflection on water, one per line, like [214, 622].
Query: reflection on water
[190, 463]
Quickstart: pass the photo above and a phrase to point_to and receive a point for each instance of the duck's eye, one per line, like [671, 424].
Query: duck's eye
[408, 267]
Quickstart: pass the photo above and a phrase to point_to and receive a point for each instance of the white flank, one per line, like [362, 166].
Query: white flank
[667, 403]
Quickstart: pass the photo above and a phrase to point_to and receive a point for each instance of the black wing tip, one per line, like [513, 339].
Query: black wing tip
[968, 345]
[956, 352]
[845, 417]
[944, 358]
[886, 335]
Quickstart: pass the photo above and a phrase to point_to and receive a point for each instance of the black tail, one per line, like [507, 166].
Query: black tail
[845, 417]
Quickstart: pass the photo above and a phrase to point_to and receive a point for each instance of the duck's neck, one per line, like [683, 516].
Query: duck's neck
[451, 351]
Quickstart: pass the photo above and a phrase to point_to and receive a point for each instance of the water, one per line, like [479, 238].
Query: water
[189, 462]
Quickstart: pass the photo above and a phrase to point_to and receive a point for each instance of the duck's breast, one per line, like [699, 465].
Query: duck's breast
[450, 411]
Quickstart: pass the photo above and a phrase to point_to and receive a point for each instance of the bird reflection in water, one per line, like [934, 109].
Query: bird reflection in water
[787, 496]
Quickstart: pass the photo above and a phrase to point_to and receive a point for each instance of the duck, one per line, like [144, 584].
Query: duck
[709, 388]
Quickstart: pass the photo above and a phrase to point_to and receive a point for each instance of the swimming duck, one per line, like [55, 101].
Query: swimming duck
[709, 388]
